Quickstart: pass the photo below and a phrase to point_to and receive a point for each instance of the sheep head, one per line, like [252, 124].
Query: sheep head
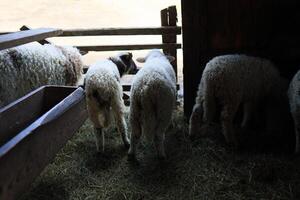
[125, 63]
[155, 53]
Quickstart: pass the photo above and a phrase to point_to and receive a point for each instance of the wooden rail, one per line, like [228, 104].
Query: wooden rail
[123, 31]
[169, 18]
[23, 37]
[129, 47]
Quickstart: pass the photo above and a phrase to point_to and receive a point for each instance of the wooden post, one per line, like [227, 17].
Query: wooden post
[173, 37]
[169, 18]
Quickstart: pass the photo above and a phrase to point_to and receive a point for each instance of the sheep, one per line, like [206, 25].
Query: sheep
[231, 81]
[104, 95]
[29, 66]
[153, 96]
[294, 100]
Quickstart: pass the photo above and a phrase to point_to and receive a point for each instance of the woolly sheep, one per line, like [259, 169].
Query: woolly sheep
[294, 100]
[104, 95]
[153, 95]
[29, 66]
[232, 81]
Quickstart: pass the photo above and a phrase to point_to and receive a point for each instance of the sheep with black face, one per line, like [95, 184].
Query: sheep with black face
[104, 95]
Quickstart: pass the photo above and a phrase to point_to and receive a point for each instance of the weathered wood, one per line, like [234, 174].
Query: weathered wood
[169, 18]
[122, 31]
[24, 156]
[164, 23]
[172, 38]
[44, 41]
[126, 82]
[22, 37]
[128, 47]
[3, 33]
[26, 117]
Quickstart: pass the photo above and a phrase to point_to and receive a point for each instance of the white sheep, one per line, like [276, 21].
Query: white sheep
[233, 81]
[29, 66]
[153, 96]
[294, 100]
[104, 95]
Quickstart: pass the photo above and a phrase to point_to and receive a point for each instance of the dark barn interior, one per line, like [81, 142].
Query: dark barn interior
[55, 155]
[267, 28]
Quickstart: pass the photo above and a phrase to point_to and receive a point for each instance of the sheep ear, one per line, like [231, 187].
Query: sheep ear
[141, 60]
[170, 58]
[127, 56]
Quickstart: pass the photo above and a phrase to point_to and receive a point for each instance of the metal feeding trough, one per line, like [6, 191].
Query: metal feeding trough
[32, 130]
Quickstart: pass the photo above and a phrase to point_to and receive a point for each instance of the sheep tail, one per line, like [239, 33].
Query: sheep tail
[151, 109]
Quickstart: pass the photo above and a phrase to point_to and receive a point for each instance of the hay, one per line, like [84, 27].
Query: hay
[202, 169]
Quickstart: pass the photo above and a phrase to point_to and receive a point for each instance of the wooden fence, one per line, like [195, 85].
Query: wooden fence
[168, 30]
[11, 185]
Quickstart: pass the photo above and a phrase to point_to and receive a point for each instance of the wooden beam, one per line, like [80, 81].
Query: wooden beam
[123, 31]
[42, 42]
[128, 47]
[171, 38]
[29, 150]
[23, 37]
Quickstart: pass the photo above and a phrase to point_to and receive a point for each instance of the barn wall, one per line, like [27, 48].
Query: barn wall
[266, 28]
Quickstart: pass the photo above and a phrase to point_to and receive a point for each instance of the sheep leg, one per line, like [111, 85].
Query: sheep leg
[134, 140]
[122, 129]
[297, 135]
[120, 121]
[99, 134]
[248, 108]
[227, 116]
[196, 121]
[297, 140]
[159, 144]
[209, 108]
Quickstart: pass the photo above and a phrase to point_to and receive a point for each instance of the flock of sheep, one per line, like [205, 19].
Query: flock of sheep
[228, 83]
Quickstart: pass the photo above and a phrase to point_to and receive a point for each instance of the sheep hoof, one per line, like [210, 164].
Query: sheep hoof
[192, 136]
[131, 157]
[126, 144]
[162, 158]
[234, 146]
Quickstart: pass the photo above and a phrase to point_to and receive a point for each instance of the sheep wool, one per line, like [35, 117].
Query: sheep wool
[104, 95]
[27, 67]
[294, 100]
[231, 81]
[153, 95]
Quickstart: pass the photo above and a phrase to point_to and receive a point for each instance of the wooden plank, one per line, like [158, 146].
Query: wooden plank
[26, 117]
[3, 33]
[122, 31]
[164, 23]
[23, 37]
[25, 156]
[126, 82]
[194, 26]
[42, 42]
[172, 38]
[128, 47]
